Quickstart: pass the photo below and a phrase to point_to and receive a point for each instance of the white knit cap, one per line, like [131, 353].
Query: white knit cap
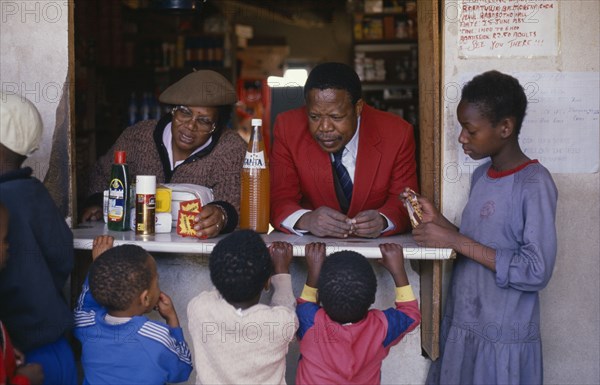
[20, 124]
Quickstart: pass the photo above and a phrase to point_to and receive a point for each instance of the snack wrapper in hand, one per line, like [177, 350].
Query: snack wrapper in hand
[192, 206]
[415, 211]
[185, 220]
[185, 224]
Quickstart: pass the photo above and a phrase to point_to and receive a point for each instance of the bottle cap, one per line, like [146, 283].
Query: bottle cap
[145, 184]
[256, 122]
[120, 157]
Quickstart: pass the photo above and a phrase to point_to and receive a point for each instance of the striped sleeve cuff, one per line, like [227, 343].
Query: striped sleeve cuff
[309, 294]
[405, 294]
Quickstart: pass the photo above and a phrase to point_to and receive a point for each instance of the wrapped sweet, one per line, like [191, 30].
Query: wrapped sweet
[415, 211]
[185, 218]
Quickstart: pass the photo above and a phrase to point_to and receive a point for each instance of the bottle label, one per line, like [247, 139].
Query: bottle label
[116, 201]
[145, 214]
[147, 200]
[105, 206]
[116, 189]
[255, 160]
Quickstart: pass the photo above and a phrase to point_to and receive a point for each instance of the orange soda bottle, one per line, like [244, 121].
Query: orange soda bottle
[256, 179]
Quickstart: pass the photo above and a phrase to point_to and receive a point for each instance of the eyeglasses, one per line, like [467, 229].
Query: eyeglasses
[184, 115]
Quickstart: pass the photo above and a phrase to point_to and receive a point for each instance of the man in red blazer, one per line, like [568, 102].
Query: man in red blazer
[311, 191]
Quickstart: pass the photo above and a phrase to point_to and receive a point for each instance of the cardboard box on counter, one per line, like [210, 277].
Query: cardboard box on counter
[263, 61]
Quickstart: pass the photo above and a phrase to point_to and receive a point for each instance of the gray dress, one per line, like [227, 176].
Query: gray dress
[491, 326]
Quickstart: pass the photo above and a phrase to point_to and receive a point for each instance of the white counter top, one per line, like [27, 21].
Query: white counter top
[84, 235]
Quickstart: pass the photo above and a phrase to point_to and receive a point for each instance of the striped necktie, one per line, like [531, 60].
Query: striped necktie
[342, 173]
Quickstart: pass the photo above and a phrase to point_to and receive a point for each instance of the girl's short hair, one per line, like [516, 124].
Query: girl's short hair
[498, 96]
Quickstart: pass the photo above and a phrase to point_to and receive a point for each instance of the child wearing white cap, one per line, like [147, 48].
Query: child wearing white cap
[32, 306]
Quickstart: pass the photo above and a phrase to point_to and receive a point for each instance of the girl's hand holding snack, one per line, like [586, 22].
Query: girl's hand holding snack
[424, 211]
[431, 234]
[419, 208]
[430, 227]
[414, 208]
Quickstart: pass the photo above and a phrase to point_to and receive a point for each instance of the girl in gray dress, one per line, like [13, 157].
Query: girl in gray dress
[506, 246]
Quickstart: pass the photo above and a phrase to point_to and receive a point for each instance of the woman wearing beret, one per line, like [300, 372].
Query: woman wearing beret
[191, 144]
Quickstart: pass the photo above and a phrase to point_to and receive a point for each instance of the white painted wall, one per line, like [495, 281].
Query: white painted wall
[569, 305]
[34, 60]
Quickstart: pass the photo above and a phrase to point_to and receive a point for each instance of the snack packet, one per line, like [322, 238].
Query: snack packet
[192, 206]
[185, 219]
[415, 211]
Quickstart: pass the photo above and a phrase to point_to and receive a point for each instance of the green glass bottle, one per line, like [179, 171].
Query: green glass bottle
[118, 194]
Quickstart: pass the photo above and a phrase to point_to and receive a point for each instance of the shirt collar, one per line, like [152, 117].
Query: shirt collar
[352, 145]
[112, 320]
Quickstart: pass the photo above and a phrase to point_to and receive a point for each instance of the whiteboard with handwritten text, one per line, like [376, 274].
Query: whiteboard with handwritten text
[506, 28]
[562, 127]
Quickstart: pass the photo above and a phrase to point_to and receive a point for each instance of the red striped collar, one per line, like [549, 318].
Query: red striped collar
[499, 174]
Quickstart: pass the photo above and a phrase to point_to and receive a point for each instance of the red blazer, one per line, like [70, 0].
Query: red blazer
[302, 176]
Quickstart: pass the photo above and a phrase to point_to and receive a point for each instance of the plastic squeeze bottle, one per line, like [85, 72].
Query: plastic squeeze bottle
[118, 194]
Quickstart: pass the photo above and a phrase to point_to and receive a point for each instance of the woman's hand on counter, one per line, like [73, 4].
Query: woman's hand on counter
[92, 213]
[209, 222]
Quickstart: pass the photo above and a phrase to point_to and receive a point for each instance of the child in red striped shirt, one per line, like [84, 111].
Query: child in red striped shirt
[341, 340]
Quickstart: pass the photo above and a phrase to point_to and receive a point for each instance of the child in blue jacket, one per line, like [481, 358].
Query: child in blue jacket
[119, 344]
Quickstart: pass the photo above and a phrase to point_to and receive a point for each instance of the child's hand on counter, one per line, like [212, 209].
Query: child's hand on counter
[101, 244]
[315, 257]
